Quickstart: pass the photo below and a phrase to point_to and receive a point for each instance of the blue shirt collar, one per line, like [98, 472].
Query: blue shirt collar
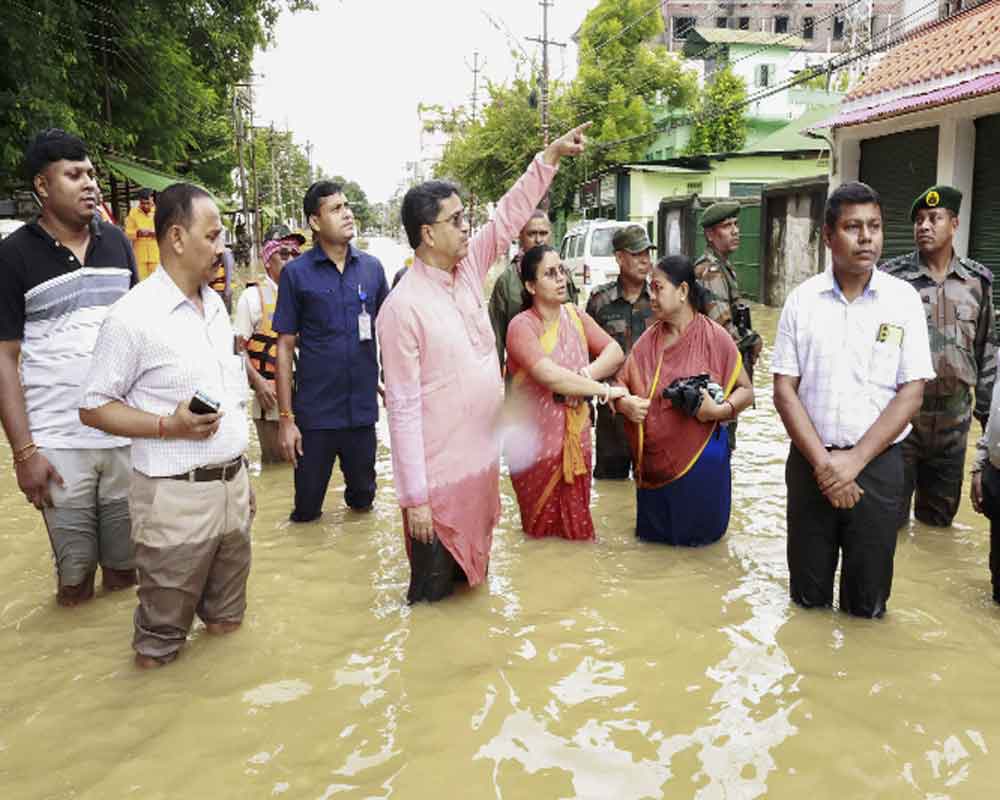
[319, 255]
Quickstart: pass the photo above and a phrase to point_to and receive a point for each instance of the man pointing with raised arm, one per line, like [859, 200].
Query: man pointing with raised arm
[443, 387]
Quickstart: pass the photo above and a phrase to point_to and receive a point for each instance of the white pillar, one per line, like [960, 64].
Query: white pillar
[846, 157]
[956, 156]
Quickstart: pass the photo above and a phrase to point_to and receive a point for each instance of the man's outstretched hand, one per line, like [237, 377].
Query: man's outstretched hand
[571, 143]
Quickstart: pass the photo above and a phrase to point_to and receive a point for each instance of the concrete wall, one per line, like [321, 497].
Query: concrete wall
[794, 250]
[956, 148]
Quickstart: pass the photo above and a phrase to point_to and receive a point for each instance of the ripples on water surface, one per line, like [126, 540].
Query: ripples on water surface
[607, 671]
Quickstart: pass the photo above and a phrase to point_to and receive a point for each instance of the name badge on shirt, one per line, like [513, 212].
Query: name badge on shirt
[364, 326]
[885, 355]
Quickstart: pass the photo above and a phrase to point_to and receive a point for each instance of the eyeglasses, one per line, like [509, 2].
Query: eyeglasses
[553, 273]
[288, 252]
[457, 219]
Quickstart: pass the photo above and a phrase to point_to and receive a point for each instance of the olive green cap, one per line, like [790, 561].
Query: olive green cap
[719, 212]
[632, 239]
[939, 196]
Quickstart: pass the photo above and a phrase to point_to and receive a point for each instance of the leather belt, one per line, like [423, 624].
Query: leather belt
[220, 472]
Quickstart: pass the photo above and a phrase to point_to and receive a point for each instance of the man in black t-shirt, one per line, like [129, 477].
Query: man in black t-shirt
[58, 276]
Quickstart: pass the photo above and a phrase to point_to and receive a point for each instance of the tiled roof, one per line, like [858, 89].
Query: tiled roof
[966, 42]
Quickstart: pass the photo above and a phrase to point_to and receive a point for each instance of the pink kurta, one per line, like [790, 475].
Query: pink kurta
[443, 386]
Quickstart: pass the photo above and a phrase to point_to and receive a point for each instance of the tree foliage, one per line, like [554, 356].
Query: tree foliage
[621, 77]
[283, 176]
[167, 67]
[720, 116]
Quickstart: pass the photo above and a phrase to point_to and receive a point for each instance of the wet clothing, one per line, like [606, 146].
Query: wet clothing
[964, 350]
[147, 251]
[548, 446]
[192, 551]
[864, 536]
[694, 509]
[506, 302]
[443, 385]
[355, 448]
[681, 465]
[991, 508]
[850, 357]
[625, 322]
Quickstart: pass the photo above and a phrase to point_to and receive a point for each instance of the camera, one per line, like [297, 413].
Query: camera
[741, 318]
[201, 403]
[684, 394]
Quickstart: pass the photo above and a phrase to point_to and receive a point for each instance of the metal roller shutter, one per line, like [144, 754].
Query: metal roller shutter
[899, 167]
[984, 233]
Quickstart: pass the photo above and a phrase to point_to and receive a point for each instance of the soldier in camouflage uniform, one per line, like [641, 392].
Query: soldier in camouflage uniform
[506, 299]
[622, 308]
[723, 302]
[958, 300]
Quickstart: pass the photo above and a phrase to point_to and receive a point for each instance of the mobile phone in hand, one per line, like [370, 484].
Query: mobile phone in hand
[201, 403]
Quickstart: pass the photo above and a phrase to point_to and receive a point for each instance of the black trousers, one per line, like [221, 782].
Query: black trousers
[991, 507]
[614, 456]
[866, 535]
[355, 447]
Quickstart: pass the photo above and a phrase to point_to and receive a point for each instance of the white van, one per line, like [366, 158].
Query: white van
[587, 253]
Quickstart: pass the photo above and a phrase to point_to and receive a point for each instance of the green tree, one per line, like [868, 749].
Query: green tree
[166, 67]
[720, 117]
[282, 176]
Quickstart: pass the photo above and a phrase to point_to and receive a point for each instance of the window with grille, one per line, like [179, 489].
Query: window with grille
[683, 26]
[808, 27]
[838, 28]
[781, 24]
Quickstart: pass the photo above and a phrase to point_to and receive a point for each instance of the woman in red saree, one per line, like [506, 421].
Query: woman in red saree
[682, 471]
[549, 349]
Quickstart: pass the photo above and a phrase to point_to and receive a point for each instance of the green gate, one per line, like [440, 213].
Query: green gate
[984, 228]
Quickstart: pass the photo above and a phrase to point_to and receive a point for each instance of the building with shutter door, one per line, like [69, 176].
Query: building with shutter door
[929, 113]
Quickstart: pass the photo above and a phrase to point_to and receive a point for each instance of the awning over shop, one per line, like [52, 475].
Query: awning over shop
[950, 94]
[142, 176]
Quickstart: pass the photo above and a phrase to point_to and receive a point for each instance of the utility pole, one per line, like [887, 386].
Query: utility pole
[244, 100]
[238, 130]
[544, 41]
[275, 180]
[475, 69]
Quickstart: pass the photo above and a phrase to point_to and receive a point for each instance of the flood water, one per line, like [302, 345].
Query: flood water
[613, 671]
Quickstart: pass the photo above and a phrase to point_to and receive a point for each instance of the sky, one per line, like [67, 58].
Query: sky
[349, 76]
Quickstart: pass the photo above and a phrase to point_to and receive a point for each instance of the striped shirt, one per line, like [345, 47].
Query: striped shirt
[55, 306]
[154, 351]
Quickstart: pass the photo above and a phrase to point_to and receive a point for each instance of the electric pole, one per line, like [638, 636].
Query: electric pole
[544, 41]
[243, 101]
[475, 69]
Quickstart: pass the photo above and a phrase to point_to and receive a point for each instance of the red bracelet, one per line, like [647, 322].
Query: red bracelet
[161, 427]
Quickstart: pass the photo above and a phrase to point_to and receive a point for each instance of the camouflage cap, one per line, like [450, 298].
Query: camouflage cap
[940, 196]
[632, 239]
[280, 232]
[719, 212]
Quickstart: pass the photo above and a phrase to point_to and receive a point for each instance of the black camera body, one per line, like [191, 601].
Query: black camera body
[684, 394]
[741, 318]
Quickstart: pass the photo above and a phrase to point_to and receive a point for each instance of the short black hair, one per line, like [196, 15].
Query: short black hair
[679, 270]
[852, 193]
[530, 262]
[145, 194]
[315, 194]
[174, 207]
[421, 205]
[49, 146]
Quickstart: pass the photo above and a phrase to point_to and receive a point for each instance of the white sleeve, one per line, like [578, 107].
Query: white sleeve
[785, 355]
[114, 367]
[915, 361]
[245, 316]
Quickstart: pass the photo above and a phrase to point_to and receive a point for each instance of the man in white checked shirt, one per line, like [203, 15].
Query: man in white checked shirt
[190, 496]
[850, 359]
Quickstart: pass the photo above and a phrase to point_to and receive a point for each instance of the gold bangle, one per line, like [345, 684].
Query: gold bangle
[20, 459]
[19, 450]
[286, 415]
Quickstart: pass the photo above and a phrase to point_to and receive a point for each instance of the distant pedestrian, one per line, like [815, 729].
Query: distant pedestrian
[58, 277]
[622, 308]
[164, 358]
[401, 272]
[328, 300]
[140, 228]
[254, 326]
[443, 380]
[958, 297]
[850, 360]
[505, 299]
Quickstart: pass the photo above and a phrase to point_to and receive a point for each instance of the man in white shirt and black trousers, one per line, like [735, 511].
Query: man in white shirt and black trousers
[190, 497]
[850, 359]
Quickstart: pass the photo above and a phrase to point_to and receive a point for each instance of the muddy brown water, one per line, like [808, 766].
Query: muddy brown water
[613, 670]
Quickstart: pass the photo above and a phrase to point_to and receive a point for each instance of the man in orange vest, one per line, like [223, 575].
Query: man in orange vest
[254, 313]
[141, 232]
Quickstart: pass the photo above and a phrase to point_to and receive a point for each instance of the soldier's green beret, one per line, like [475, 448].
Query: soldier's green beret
[632, 239]
[937, 197]
[719, 212]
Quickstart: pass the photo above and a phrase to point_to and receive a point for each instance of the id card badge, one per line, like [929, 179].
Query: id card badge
[364, 326]
[886, 354]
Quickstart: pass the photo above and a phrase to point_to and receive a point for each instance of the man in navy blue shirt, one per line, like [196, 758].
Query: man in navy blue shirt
[328, 299]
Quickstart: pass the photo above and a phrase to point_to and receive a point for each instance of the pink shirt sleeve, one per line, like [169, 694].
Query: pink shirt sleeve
[513, 212]
[400, 348]
[524, 347]
[597, 337]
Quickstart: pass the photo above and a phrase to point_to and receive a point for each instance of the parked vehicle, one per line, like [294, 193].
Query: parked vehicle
[587, 253]
[8, 226]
